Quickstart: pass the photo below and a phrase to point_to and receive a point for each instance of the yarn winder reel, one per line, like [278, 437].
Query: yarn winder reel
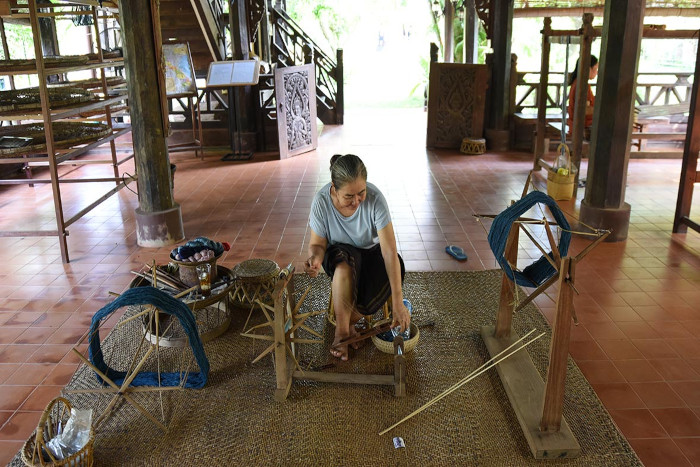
[538, 405]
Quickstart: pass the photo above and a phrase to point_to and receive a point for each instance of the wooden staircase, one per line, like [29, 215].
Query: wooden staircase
[199, 23]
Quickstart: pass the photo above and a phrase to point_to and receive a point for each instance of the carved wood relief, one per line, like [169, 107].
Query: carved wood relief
[456, 100]
[295, 91]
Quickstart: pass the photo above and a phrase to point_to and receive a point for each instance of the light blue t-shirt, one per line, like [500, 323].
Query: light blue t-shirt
[360, 229]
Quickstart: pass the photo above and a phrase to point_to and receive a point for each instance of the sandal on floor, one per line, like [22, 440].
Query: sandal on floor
[456, 252]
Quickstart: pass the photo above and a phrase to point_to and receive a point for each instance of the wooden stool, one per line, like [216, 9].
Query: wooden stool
[254, 279]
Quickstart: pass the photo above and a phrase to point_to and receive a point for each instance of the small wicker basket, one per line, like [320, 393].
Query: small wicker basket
[408, 345]
[55, 415]
[473, 146]
[561, 186]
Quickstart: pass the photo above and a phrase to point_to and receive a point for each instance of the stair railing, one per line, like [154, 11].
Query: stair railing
[291, 46]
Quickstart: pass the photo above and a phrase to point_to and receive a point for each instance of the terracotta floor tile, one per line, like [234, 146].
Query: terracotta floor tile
[586, 350]
[675, 369]
[679, 422]
[600, 371]
[606, 331]
[637, 370]
[638, 330]
[18, 353]
[686, 348]
[14, 396]
[30, 374]
[655, 348]
[689, 391]
[657, 395]
[620, 349]
[40, 398]
[690, 447]
[638, 423]
[618, 396]
[7, 369]
[659, 452]
[19, 426]
[8, 450]
[60, 374]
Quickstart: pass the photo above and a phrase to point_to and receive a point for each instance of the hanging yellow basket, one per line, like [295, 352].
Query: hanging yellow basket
[560, 183]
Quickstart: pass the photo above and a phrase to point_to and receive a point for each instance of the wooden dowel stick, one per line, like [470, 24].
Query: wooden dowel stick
[473, 375]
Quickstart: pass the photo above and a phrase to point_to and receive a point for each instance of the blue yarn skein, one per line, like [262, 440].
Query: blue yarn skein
[538, 272]
[167, 304]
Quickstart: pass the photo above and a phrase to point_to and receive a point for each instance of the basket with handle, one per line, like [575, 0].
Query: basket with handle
[560, 186]
[55, 416]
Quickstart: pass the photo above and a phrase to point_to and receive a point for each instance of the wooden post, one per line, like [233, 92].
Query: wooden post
[603, 206]
[504, 316]
[158, 217]
[542, 95]
[689, 170]
[470, 48]
[559, 350]
[340, 90]
[449, 32]
[581, 97]
[502, 12]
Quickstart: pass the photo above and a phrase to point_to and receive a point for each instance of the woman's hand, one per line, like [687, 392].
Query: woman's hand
[312, 266]
[401, 316]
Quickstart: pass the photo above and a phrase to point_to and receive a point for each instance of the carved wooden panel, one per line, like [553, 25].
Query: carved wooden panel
[295, 91]
[456, 99]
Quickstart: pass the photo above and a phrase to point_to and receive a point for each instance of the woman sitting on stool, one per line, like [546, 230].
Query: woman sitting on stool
[353, 239]
[590, 98]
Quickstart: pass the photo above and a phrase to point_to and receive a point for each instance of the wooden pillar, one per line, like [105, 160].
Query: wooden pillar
[340, 90]
[240, 48]
[559, 350]
[497, 133]
[158, 217]
[470, 48]
[689, 169]
[542, 95]
[604, 203]
[581, 97]
[449, 32]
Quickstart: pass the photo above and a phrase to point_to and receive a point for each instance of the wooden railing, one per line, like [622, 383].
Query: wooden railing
[291, 46]
[210, 16]
[652, 89]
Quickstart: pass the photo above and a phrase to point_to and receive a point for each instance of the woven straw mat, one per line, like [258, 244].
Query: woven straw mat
[235, 419]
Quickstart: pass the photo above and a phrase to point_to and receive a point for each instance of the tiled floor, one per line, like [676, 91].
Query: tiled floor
[638, 341]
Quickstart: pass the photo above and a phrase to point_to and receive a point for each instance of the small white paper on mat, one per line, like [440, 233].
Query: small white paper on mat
[398, 443]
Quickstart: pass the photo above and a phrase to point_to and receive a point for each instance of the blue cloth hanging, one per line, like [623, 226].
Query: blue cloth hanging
[166, 304]
[538, 272]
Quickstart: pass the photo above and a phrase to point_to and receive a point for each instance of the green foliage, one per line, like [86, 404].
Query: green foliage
[19, 41]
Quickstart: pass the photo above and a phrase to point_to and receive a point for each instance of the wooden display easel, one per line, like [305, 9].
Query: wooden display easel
[538, 405]
[287, 320]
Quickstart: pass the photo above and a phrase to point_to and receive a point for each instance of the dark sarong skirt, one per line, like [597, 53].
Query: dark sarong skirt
[371, 287]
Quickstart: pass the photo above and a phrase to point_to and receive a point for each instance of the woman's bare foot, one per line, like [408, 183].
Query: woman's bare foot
[341, 352]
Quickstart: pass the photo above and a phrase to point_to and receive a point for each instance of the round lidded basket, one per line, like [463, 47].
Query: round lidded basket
[34, 452]
[408, 345]
[187, 270]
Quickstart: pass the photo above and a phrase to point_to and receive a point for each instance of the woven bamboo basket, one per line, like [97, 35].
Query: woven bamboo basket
[66, 134]
[561, 186]
[29, 99]
[408, 345]
[34, 452]
[473, 146]
[254, 279]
